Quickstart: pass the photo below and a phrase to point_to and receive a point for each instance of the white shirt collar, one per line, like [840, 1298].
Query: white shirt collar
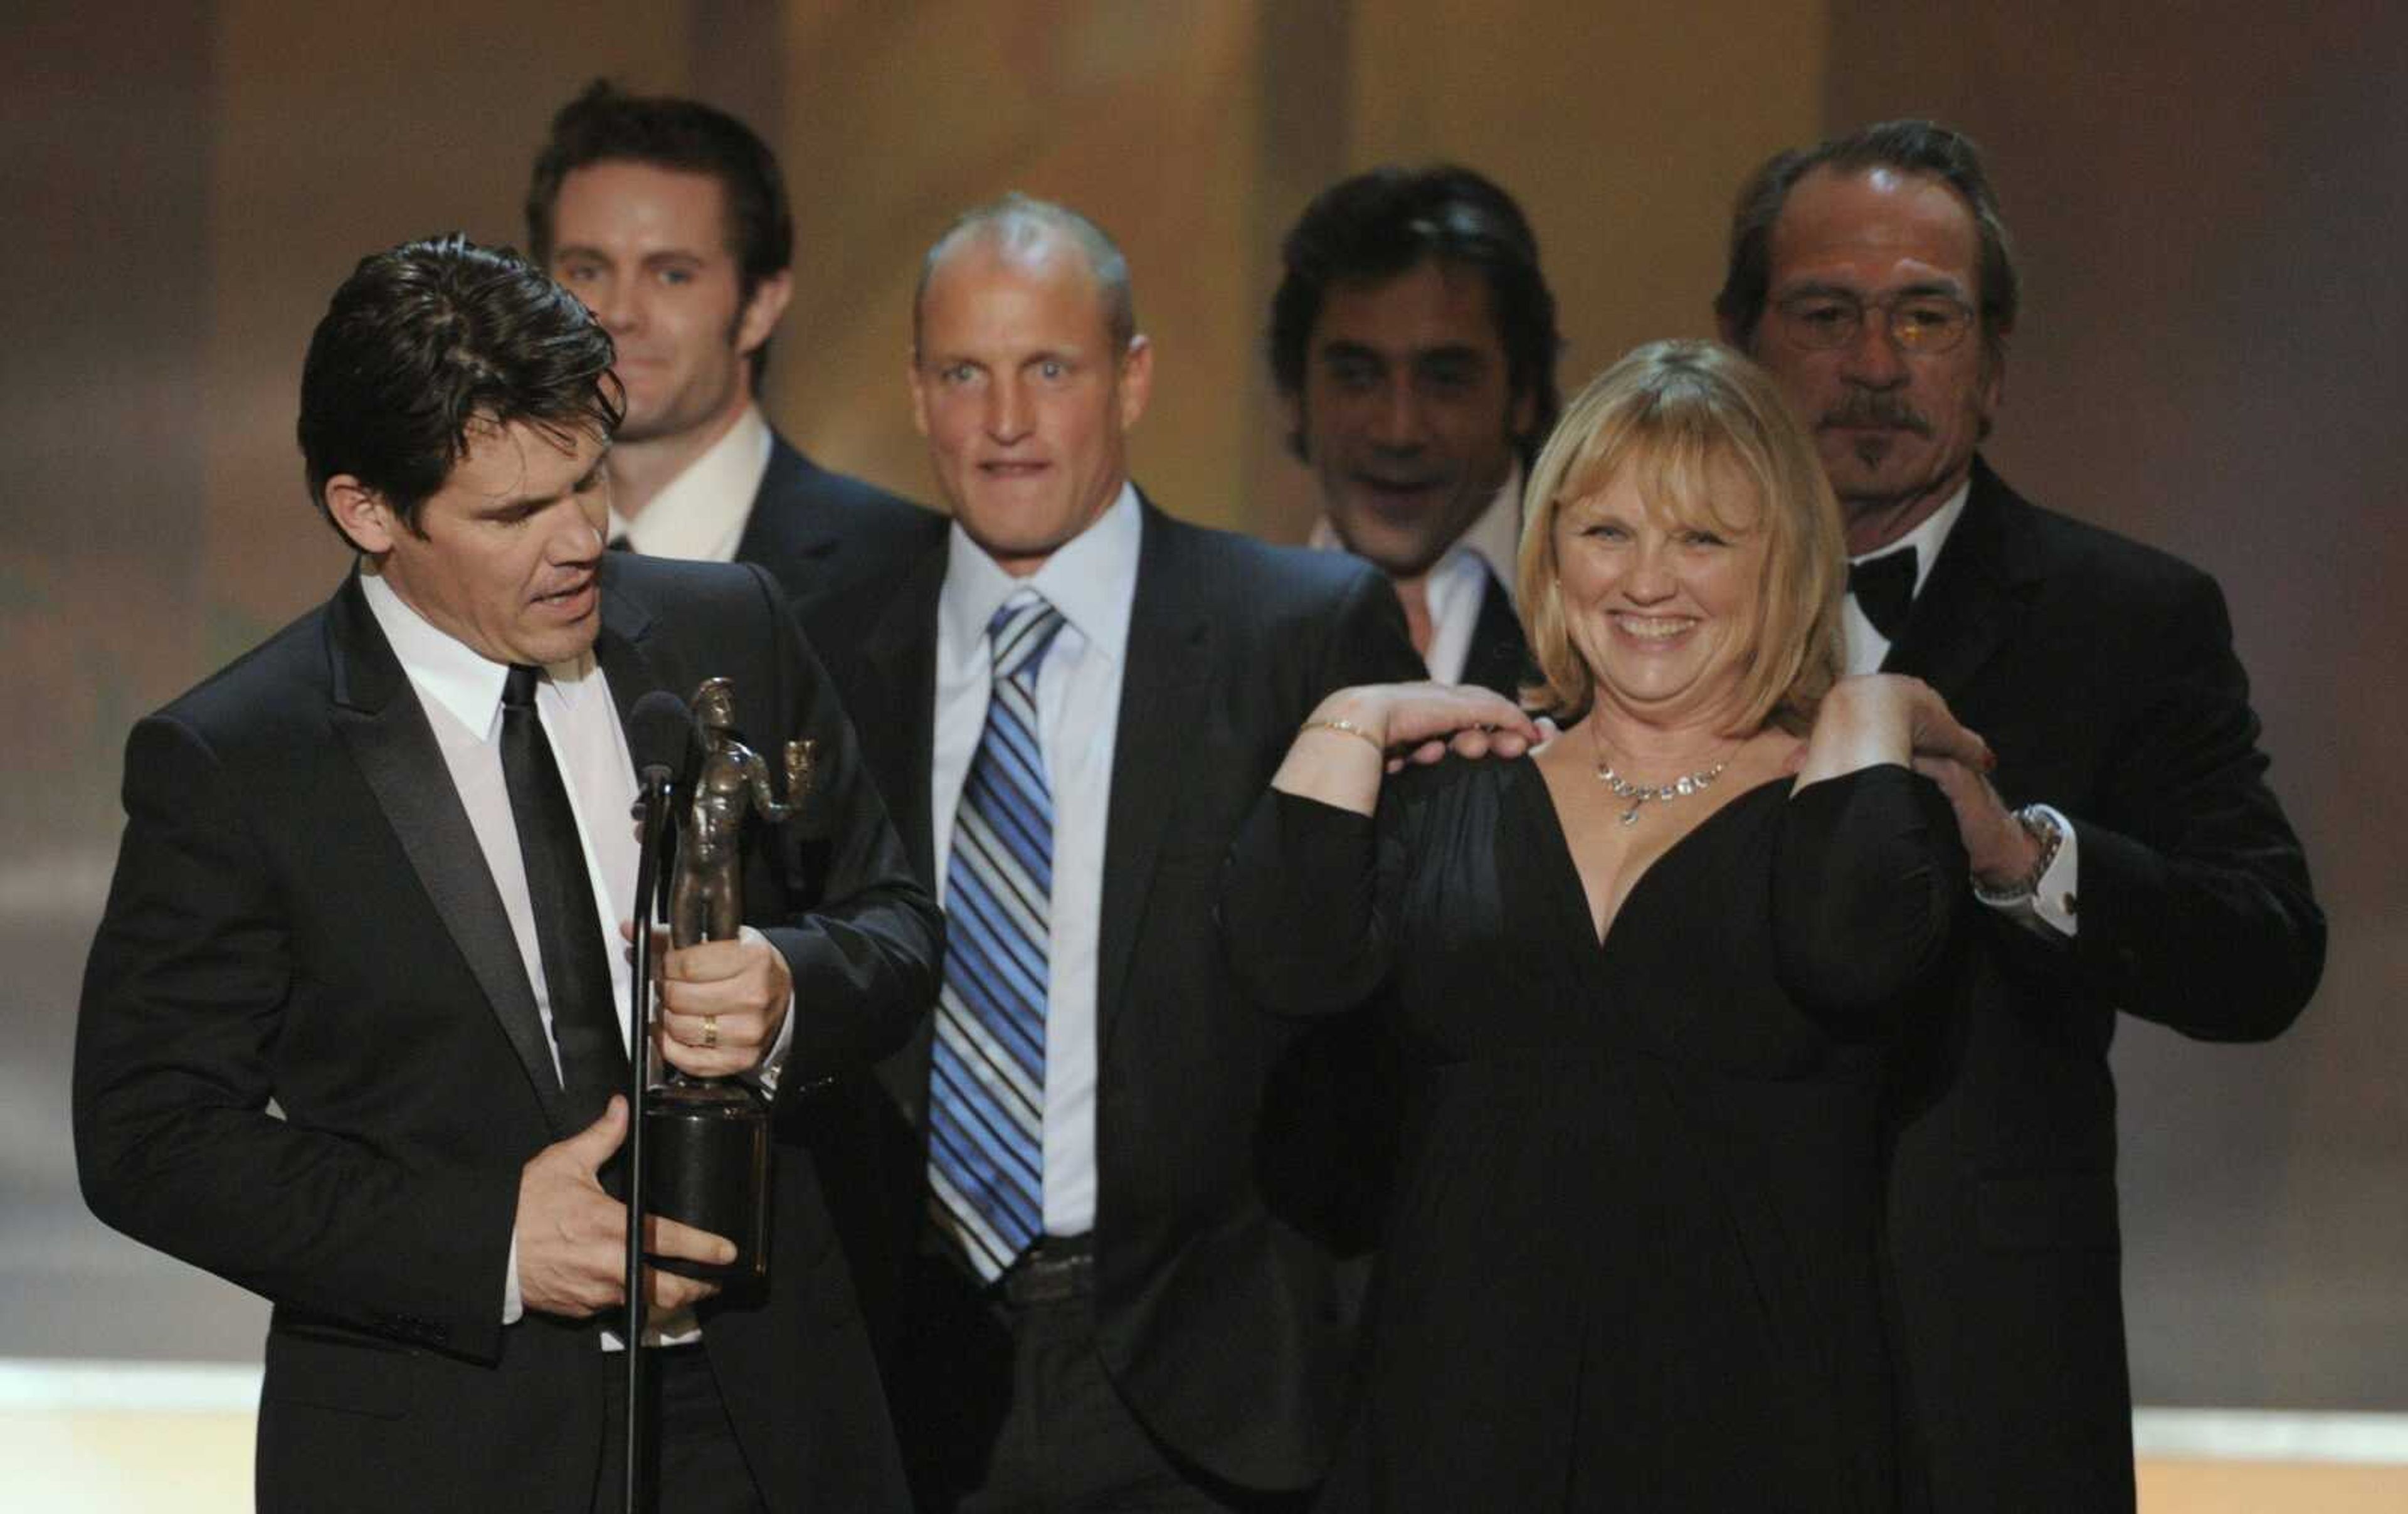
[1928, 538]
[1092, 579]
[445, 669]
[1494, 535]
[700, 514]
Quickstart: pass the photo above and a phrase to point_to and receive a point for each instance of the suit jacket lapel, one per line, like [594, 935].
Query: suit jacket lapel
[620, 649]
[783, 536]
[1169, 655]
[380, 720]
[1978, 593]
[894, 712]
[894, 709]
[1499, 659]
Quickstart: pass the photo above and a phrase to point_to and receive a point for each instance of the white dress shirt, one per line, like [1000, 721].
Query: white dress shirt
[1459, 581]
[462, 694]
[701, 513]
[2050, 906]
[1092, 582]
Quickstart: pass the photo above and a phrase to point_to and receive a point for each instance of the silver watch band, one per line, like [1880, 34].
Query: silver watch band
[2040, 825]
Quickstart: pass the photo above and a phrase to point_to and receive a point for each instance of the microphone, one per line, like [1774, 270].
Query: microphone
[660, 736]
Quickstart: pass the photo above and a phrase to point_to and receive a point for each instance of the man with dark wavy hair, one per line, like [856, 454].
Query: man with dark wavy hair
[2147, 867]
[374, 873]
[1413, 342]
[670, 218]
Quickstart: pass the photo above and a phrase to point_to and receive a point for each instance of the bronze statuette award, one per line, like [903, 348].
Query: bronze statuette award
[709, 1137]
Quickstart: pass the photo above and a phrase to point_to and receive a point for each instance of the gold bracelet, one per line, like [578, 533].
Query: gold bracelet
[1349, 727]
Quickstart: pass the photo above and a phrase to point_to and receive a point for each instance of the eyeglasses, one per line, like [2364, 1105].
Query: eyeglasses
[1917, 322]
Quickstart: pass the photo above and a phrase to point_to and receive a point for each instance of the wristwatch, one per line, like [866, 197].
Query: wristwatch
[2042, 826]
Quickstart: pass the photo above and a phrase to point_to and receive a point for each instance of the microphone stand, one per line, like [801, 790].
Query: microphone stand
[658, 839]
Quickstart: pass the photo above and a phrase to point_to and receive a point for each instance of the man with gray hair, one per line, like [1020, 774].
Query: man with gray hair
[1873, 275]
[1070, 699]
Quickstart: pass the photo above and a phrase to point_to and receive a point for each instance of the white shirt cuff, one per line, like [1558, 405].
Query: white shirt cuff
[2050, 908]
[764, 1076]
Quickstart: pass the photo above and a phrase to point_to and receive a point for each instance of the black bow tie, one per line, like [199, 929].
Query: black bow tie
[1884, 587]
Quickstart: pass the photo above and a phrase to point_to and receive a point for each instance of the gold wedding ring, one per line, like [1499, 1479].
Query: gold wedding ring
[709, 1032]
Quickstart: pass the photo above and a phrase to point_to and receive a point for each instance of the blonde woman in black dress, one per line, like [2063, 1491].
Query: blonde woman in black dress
[1647, 976]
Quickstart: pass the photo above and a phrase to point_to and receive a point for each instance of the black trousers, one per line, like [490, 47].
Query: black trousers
[1007, 1408]
[697, 1467]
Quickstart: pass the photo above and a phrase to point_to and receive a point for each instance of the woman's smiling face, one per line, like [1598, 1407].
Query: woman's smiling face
[1659, 581]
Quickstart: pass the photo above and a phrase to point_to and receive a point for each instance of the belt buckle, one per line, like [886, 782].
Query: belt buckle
[1053, 1269]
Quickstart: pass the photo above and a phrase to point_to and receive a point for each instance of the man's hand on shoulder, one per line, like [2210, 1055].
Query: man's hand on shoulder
[1999, 848]
[572, 1236]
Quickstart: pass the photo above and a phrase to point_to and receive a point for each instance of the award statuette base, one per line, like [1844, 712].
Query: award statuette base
[708, 1159]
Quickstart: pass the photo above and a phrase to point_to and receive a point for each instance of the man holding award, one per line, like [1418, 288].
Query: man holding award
[375, 874]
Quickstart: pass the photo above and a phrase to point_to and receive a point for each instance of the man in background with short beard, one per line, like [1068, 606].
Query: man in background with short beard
[1413, 342]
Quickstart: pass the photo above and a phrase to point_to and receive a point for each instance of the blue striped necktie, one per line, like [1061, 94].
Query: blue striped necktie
[986, 1102]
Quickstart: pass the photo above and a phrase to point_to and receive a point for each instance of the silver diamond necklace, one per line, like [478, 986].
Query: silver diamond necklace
[1641, 794]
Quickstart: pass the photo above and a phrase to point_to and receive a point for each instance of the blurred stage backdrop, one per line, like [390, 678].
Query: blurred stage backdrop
[2206, 198]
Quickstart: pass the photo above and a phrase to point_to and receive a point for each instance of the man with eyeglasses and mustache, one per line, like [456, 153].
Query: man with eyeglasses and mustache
[2147, 867]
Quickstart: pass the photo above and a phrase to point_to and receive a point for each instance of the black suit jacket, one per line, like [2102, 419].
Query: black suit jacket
[301, 913]
[2102, 673]
[1224, 1313]
[819, 532]
[1499, 657]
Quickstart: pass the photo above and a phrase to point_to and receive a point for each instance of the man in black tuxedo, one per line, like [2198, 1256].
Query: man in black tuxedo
[1414, 341]
[2148, 868]
[670, 218]
[371, 872]
[1116, 1297]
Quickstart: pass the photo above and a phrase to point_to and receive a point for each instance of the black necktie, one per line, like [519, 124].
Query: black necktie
[1884, 587]
[621, 543]
[569, 933]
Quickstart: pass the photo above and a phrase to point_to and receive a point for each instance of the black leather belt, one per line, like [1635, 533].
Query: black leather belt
[1056, 1268]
